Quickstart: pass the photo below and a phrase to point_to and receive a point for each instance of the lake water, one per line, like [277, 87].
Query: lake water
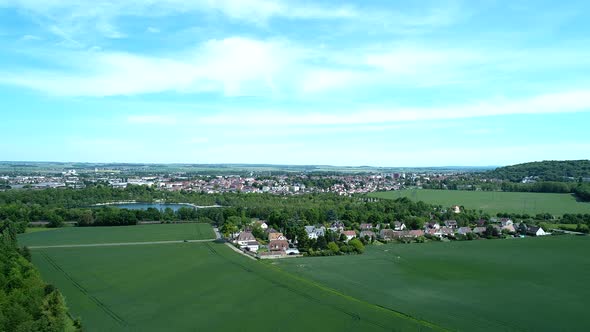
[145, 206]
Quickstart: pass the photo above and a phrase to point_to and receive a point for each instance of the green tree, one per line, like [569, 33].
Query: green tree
[357, 245]
[333, 247]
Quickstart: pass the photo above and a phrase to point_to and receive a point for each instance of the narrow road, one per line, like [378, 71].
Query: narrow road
[118, 244]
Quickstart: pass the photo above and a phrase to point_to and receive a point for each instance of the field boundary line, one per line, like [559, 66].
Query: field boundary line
[116, 244]
[83, 290]
[336, 307]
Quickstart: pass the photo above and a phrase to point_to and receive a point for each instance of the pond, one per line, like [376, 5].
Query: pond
[145, 206]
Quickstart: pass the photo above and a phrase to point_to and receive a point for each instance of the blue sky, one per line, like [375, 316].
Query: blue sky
[383, 83]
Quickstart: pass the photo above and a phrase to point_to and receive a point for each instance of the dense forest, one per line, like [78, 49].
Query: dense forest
[566, 170]
[26, 302]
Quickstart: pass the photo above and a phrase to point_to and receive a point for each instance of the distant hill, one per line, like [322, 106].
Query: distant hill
[566, 170]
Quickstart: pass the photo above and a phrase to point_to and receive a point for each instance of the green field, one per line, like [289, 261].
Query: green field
[494, 202]
[532, 284]
[117, 234]
[200, 286]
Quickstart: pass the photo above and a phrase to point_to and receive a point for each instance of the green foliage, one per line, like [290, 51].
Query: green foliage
[546, 171]
[333, 247]
[357, 245]
[24, 303]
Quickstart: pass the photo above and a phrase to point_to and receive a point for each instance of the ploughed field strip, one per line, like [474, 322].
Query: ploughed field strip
[118, 234]
[201, 286]
[494, 202]
[532, 284]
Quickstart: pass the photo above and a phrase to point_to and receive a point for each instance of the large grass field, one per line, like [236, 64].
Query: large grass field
[532, 284]
[200, 287]
[494, 202]
[116, 234]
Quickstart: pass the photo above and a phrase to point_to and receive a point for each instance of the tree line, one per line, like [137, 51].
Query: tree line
[27, 303]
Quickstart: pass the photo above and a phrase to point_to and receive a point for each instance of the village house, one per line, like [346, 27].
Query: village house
[270, 230]
[278, 245]
[386, 234]
[349, 235]
[456, 209]
[480, 223]
[276, 236]
[370, 234]
[464, 230]
[399, 226]
[252, 246]
[432, 225]
[506, 222]
[479, 230]
[510, 228]
[416, 233]
[314, 232]
[536, 231]
[337, 226]
[451, 223]
[263, 225]
[446, 231]
[243, 238]
[366, 227]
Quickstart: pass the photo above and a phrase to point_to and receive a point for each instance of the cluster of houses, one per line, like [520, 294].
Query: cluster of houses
[450, 228]
[279, 246]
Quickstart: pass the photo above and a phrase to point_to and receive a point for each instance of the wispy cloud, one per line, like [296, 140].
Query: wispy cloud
[233, 66]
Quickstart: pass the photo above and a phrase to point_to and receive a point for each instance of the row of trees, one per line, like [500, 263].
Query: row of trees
[26, 302]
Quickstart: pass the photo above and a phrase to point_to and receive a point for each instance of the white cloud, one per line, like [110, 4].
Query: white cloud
[233, 66]
[152, 30]
[30, 38]
[152, 119]
[559, 102]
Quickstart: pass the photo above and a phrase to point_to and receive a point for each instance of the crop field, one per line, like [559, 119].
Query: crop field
[191, 286]
[200, 286]
[116, 234]
[494, 202]
[531, 284]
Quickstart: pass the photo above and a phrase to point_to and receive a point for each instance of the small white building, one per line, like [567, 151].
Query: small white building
[536, 231]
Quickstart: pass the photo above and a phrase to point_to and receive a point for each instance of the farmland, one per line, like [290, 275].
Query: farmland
[494, 202]
[115, 234]
[197, 286]
[532, 284]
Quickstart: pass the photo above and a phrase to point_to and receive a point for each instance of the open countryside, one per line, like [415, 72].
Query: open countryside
[527, 284]
[198, 286]
[494, 202]
[118, 234]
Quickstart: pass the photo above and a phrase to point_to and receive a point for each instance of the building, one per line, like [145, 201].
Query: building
[451, 224]
[370, 234]
[464, 230]
[456, 209]
[337, 226]
[314, 232]
[244, 237]
[479, 230]
[349, 235]
[386, 234]
[251, 246]
[278, 245]
[536, 231]
[399, 226]
[276, 236]
[366, 227]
